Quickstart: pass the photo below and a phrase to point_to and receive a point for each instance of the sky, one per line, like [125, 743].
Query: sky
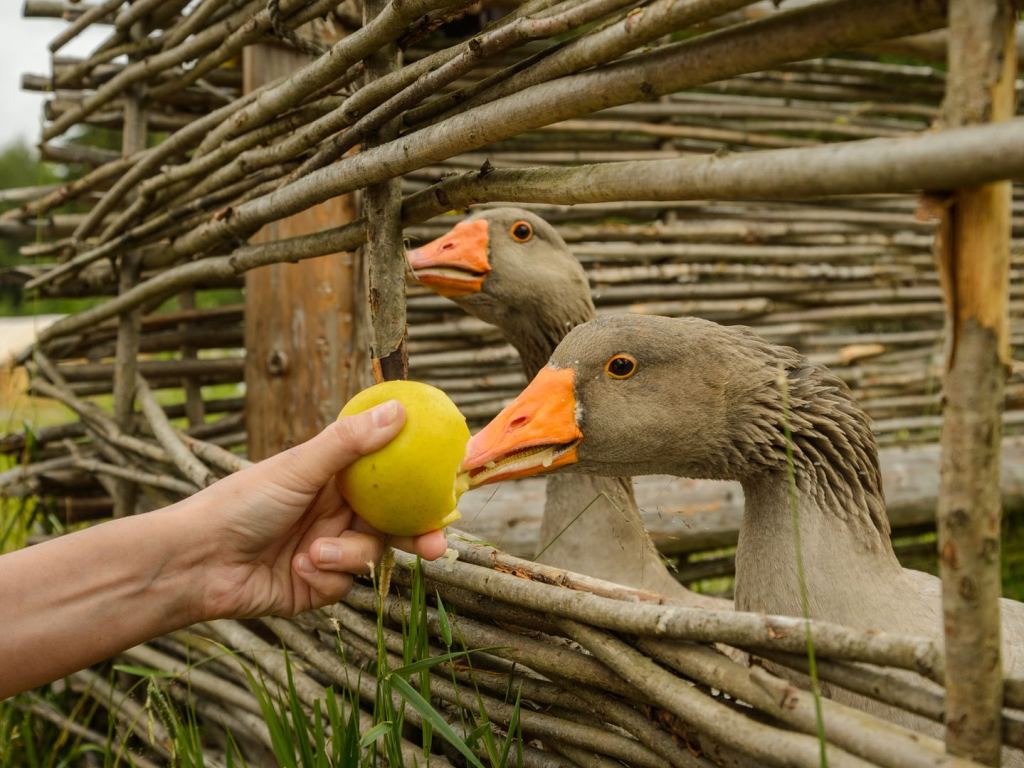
[23, 48]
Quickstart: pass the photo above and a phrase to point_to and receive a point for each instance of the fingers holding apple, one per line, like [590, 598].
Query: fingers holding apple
[410, 486]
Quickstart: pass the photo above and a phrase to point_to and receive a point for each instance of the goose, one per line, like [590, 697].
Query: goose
[511, 268]
[641, 394]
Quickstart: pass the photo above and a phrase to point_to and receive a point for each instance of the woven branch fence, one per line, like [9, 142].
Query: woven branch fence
[701, 157]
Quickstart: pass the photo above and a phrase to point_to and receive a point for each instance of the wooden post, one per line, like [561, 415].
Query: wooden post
[973, 252]
[194, 410]
[384, 252]
[299, 318]
[129, 326]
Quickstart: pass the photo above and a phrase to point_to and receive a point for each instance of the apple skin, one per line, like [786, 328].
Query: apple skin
[409, 486]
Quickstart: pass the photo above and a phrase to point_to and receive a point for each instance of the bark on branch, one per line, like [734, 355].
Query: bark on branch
[974, 252]
[384, 253]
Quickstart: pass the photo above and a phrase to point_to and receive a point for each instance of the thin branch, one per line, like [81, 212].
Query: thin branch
[137, 476]
[184, 459]
[95, 13]
[888, 744]
[772, 747]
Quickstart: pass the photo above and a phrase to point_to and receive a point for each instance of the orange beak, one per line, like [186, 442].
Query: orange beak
[456, 263]
[537, 432]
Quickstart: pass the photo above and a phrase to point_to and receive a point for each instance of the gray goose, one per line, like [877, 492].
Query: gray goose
[635, 394]
[511, 268]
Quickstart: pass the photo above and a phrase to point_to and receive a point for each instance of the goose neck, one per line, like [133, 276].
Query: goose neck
[849, 564]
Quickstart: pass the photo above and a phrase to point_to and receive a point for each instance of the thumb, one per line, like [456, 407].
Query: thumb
[307, 467]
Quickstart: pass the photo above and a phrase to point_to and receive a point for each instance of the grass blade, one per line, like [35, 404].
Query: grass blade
[429, 714]
[513, 725]
[442, 618]
[476, 734]
[142, 671]
[282, 750]
[433, 661]
[375, 733]
[421, 644]
[794, 511]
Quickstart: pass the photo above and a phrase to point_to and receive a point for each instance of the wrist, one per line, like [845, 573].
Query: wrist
[189, 551]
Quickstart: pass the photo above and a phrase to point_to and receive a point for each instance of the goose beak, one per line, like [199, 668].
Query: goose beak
[537, 432]
[456, 263]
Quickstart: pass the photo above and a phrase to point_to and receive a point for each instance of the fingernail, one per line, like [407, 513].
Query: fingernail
[304, 565]
[385, 413]
[329, 553]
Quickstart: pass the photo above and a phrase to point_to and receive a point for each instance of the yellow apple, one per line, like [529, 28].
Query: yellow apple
[412, 484]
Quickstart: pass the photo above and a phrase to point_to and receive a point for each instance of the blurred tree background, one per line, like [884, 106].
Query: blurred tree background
[21, 166]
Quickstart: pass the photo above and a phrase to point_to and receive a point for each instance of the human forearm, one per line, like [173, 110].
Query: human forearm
[276, 538]
[76, 600]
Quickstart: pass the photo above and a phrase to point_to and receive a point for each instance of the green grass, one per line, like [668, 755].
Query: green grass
[1013, 558]
[20, 517]
[812, 664]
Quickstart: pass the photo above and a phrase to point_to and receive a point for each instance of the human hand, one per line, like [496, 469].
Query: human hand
[279, 537]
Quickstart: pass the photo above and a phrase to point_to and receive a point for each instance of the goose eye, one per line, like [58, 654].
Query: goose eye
[621, 367]
[521, 231]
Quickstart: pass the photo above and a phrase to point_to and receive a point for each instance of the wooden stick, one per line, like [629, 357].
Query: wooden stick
[184, 459]
[198, 677]
[194, 21]
[585, 737]
[135, 476]
[154, 368]
[737, 629]
[126, 356]
[607, 41]
[490, 557]
[194, 393]
[145, 163]
[99, 422]
[137, 71]
[531, 652]
[247, 34]
[95, 13]
[877, 165]
[770, 746]
[381, 92]
[513, 30]
[214, 454]
[384, 252]
[888, 744]
[973, 247]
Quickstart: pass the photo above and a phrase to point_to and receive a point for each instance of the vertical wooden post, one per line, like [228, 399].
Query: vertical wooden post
[384, 252]
[129, 326]
[973, 251]
[194, 410]
[299, 318]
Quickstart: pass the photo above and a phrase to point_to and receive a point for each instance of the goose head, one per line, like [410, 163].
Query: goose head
[508, 267]
[639, 394]
[625, 395]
